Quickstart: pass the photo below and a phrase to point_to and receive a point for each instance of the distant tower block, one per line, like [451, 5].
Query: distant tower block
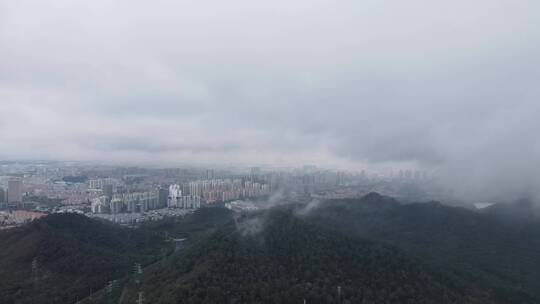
[15, 191]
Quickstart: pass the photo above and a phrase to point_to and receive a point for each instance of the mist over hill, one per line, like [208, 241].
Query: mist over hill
[368, 250]
[375, 249]
[289, 260]
[500, 253]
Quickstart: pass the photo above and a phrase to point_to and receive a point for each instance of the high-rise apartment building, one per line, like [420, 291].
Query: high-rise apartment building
[15, 191]
[108, 190]
[2, 198]
[100, 183]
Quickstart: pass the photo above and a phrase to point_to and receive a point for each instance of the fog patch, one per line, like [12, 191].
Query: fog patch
[249, 226]
[307, 209]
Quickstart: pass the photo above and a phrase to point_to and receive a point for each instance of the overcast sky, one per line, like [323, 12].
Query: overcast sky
[452, 86]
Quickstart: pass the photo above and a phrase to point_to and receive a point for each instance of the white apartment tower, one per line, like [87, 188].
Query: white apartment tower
[177, 200]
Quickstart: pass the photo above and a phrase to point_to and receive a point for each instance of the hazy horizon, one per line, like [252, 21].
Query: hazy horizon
[447, 87]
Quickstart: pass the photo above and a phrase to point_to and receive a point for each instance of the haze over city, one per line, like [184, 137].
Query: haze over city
[451, 87]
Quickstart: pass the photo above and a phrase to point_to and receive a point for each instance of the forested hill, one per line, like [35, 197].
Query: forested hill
[280, 258]
[521, 212]
[368, 250]
[502, 256]
[62, 257]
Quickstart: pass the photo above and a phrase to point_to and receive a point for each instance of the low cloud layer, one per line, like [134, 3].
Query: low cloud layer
[448, 86]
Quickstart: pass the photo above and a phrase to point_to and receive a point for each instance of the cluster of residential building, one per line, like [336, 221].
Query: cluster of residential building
[123, 194]
[184, 196]
[177, 199]
[101, 183]
[128, 202]
[222, 190]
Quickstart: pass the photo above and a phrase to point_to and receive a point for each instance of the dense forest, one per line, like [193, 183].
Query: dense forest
[368, 250]
[491, 248]
[65, 257]
[279, 258]
[375, 249]
[61, 258]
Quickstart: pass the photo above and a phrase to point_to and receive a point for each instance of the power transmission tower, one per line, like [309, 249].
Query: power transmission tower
[35, 270]
[137, 271]
[140, 300]
[137, 268]
[34, 276]
[110, 290]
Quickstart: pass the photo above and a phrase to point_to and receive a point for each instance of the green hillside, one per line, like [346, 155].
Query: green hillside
[368, 250]
[280, 258]
[72, 255]
[501, 256]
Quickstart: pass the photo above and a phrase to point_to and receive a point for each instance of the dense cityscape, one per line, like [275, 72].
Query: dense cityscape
[128, 195]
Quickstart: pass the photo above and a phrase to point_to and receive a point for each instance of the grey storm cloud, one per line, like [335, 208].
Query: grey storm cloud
[451, 86]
